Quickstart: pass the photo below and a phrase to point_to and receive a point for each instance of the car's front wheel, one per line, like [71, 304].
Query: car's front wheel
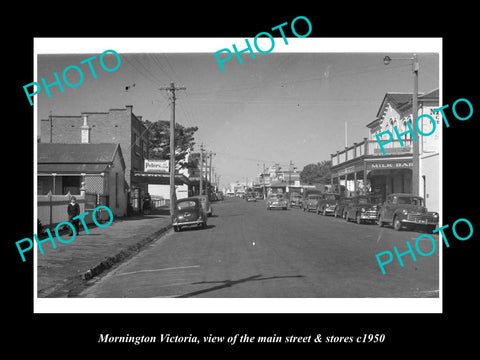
[397, 224]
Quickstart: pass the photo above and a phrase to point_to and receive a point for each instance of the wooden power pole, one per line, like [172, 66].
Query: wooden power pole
[171, 89]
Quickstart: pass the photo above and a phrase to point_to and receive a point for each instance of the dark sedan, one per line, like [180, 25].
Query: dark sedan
[363, 208]
[341, 207]
[326, 205]
[189, 212]
[406, 210]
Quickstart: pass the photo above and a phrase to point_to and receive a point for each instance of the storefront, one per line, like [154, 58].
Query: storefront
[377, 175]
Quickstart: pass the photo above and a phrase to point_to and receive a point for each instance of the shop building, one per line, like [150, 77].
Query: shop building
[363, 168]
[79, 169]
[118, 126]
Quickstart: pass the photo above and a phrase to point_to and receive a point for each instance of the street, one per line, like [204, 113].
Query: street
[247, 251]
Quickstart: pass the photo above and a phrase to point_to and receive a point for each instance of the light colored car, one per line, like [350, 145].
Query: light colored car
[276, 201]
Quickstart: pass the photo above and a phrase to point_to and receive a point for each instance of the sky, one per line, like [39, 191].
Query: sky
[278, 107]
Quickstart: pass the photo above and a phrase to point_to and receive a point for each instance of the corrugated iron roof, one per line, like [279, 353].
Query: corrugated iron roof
[75, 153]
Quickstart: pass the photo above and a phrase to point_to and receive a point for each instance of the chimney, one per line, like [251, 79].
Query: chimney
[85, 131]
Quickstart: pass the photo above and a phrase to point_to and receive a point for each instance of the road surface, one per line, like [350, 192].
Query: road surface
[249, 252]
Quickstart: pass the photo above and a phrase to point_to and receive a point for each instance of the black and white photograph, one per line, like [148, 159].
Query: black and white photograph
[296, 175]
[232, 181]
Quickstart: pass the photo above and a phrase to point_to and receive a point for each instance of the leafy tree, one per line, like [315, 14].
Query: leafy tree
[317, 173]
[160, 141]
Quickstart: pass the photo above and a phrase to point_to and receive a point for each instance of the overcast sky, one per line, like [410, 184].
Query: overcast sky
[276, 108]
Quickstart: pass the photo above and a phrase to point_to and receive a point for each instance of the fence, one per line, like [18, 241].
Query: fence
[52, 209]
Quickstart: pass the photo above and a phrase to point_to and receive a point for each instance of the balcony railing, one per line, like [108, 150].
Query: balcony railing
[371, 148]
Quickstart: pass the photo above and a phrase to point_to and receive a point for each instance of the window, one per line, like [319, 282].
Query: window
[185, 205]
[71, 184]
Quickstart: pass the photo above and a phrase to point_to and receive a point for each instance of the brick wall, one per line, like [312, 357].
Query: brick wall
[115, 126]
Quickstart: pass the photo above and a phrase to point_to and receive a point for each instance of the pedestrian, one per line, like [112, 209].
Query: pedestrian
[73, 210]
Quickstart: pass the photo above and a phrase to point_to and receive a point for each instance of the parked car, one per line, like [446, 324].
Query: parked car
[296, 200]
[205, 201]
[363, 208]
[310, 202]
[405, 210]
[327, 203]
[340, 208]
[189, 212]
[250, 197]
[276, 201]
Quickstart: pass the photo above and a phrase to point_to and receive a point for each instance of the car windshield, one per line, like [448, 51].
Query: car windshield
[276, 196]
[410, 200]
[185, 204]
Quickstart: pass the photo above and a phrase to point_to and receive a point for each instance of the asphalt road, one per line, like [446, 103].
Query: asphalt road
[249, 252]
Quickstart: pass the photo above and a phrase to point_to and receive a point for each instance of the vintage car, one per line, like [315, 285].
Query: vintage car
[189, 212]
[341, 206]
[363, 208]
[296, 200]
[310, 202]
[207, 207]
[406, 210]
[276, 201]
[250, 197]
[326, 205]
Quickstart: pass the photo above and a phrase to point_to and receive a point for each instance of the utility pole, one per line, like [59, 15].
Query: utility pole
[415, 144]
[290, 173]
[210, 169]
[201, 169]
[171, 89]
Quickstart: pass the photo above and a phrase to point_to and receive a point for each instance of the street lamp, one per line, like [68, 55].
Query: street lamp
[415, 145]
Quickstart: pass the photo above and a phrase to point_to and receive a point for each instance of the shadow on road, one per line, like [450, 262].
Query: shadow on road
[195, 228]
[230, 283]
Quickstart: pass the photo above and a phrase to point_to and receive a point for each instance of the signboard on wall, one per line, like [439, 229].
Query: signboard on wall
[391, 164]
[157, 165]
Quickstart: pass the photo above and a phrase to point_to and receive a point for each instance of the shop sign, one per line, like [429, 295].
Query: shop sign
[347, 170]
[401, 164]
[157, 165]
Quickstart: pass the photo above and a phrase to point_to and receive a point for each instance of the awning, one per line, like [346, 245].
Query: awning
[158, 178]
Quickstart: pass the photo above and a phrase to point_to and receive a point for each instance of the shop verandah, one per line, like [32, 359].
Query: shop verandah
[363, 169]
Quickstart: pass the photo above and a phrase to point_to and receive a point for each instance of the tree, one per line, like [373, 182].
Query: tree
[160, 141]
[316, 173]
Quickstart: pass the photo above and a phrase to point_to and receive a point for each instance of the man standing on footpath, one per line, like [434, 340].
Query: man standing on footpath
[73, 209]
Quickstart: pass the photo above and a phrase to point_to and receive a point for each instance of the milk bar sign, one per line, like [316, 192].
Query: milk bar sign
[157, 165]
[390, 165]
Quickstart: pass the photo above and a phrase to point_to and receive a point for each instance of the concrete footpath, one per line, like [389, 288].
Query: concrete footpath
[65, 271]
